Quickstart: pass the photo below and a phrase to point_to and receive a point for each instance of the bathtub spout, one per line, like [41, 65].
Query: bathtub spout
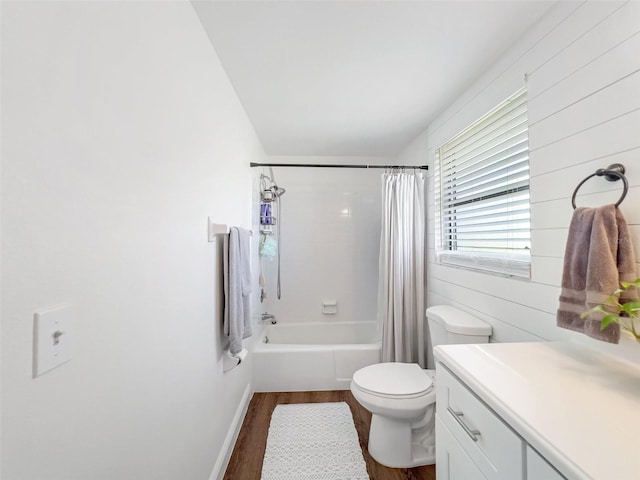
[269, 316]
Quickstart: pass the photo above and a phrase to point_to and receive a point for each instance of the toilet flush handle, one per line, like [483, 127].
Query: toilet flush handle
[474, 434]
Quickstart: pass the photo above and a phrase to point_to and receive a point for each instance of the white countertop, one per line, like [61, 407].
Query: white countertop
[579, 408]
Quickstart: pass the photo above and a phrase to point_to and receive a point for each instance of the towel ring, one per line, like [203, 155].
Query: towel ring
[612, 173]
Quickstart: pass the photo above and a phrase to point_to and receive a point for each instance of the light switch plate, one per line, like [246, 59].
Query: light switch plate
[52, 338]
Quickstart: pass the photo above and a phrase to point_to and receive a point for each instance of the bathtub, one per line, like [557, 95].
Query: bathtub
[313, 356]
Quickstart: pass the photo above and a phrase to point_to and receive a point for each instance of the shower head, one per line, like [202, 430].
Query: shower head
[275, 189]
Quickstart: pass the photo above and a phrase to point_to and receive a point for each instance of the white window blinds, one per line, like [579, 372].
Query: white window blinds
[482, 193]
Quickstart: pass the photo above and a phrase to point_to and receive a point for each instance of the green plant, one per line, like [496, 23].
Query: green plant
[624, 314]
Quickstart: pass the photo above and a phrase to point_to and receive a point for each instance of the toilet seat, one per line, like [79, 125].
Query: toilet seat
[393, 380]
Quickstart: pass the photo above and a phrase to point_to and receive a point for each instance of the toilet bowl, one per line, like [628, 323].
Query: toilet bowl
[401, 396]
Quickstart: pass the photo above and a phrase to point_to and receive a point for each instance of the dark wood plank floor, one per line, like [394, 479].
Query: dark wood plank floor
[246, 459]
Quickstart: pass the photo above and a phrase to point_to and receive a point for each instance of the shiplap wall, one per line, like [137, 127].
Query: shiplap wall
[581, 65]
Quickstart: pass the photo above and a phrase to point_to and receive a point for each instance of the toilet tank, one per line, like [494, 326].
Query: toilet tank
[449, 325]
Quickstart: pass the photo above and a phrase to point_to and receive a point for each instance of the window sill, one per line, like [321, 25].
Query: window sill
[505, 265]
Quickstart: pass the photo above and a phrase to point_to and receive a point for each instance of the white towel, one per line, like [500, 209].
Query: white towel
[237, 287]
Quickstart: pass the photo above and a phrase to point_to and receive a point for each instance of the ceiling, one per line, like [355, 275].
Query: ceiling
[356, 77]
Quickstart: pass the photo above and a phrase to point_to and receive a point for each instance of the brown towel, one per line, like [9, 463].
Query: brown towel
[598, 256]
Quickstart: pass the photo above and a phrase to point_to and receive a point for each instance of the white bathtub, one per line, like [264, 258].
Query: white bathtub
[313, 356]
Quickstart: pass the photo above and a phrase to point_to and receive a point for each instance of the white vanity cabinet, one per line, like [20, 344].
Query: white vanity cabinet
[475, 443]
[535, 411]
[487, 440]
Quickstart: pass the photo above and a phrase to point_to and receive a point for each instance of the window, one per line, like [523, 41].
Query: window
[482, 193]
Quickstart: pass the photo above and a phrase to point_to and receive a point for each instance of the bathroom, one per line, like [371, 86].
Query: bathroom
[116, 148]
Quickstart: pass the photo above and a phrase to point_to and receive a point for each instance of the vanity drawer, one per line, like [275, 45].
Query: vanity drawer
[492, 445]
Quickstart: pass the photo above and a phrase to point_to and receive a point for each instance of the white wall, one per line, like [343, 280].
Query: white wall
[121, 134]
[1, 150]
[330, 240]
[583, 71]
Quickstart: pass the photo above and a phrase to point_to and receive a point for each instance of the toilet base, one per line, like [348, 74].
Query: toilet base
[399, 443]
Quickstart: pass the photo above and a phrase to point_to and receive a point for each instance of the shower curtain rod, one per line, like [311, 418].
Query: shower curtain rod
[321, 165]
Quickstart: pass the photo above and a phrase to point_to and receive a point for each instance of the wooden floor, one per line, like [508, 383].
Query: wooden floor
[246, 459]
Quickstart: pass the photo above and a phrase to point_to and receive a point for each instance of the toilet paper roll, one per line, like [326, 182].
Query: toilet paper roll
[241, 355]
[232, 360]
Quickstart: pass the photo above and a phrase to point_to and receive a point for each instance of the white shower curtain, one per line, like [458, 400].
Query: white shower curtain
[401, 272]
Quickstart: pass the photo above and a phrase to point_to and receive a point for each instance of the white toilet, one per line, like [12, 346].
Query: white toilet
[401, 396]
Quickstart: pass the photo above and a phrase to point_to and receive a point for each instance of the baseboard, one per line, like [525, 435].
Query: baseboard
[232, 435]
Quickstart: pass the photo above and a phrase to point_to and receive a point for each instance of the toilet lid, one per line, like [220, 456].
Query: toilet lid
[393, 379]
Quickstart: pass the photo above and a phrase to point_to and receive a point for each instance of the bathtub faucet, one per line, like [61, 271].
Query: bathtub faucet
[269, 316]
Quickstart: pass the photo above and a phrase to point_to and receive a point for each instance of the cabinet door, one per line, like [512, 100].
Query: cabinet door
[452, 462]
[539, 469]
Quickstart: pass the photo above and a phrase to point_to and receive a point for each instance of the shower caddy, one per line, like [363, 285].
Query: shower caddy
[270, 208]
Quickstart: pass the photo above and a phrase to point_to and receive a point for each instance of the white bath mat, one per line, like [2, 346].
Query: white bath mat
[313, 441]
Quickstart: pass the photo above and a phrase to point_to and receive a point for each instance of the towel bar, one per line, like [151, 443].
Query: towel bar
[214, 229]
[612, 173]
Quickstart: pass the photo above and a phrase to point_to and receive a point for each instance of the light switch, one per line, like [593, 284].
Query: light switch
[52, 338]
